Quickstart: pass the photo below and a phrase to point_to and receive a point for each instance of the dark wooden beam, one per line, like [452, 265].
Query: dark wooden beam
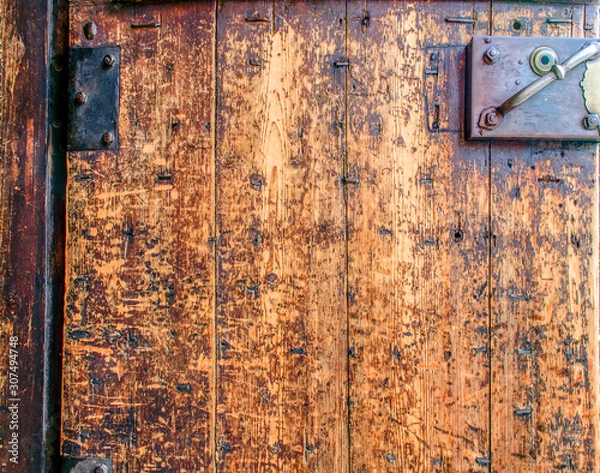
[31, 259]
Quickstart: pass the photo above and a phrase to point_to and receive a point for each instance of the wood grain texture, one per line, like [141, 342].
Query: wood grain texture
[544, 267]
[139, 330]
[418, 257]
[296, 263]
[23, 128]
[282, 353]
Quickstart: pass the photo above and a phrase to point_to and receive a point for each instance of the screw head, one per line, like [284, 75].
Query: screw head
[108, 138]
[100, 469]
[591, 121]
[491, 55]
[109, 60]
[80, 98]
[488, 40]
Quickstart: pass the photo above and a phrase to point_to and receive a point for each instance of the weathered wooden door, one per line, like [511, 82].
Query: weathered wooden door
[294, 261]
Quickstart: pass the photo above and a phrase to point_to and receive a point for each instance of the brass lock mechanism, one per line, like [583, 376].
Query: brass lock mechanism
[500, 65]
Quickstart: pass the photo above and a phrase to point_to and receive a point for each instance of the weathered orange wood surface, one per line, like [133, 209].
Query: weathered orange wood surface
[544, 269]
[139, 352]
[419, 386]
[281, 247]
[296, 263]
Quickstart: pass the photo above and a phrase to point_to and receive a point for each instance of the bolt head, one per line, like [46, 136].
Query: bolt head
[108, 138]
[492, 118]
[591, 121]
[491, 55]
[80, 98]
[109, 60]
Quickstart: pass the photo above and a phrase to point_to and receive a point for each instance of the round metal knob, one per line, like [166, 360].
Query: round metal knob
[542, 60]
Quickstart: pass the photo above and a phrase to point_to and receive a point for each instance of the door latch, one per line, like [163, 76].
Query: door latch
[94, 75]
[534, 88]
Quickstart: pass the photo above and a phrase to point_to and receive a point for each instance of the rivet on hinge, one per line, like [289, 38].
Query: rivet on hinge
[80, 98]
[109, 60]
[108, 138]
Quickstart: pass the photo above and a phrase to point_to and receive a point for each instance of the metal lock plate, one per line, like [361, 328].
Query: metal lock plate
[560, 108]
[94, 75]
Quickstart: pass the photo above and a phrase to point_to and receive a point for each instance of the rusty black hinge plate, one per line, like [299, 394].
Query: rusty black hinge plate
[501, 67]
[86, 465]
[94, 75]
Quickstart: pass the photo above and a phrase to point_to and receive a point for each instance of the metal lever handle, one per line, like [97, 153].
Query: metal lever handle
[492, 117]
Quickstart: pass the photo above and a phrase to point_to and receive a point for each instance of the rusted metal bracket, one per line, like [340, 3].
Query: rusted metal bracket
[94, 75]
[543, 77]
[87, 465]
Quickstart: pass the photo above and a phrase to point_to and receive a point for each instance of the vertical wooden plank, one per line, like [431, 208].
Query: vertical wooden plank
[139, 329]
[23, 185]
[282, 353]
[544, 266]
[418, 246]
